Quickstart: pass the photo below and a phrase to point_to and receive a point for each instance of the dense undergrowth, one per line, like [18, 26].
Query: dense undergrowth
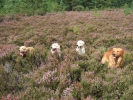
[74, 77]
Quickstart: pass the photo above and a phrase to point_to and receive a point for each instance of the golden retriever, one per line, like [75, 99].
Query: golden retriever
[114, 57]
[24, 51]
[56, 48]
[80, 47]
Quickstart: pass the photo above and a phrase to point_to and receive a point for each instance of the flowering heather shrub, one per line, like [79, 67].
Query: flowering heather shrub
[67, 93]
[10, 97]
[75, 73]
[94, 88]
[41, 93]
[5, 50]
[50, 79]
[128, 58]
[53, 79]
[128, 94]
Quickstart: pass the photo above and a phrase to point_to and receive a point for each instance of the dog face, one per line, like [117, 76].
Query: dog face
[117, 52]
[80, 47]
[80, 44]
[23, 50]
[55, 48]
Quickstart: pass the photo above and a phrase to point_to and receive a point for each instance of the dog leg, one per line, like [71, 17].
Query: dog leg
[103, 60]
[119, 62]
[110, 65]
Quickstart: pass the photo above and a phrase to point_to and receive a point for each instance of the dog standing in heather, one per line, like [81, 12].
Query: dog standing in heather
[114, 57]
[24, 51]
[56, 48]
[80, 47]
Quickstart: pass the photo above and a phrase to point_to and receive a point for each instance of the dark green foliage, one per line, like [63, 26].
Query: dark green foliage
[41, 7]
[78, 8]
[119, 3]
[76, 94]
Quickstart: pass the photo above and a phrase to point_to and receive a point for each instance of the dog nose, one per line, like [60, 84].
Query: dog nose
[114, 55]
[79, 46]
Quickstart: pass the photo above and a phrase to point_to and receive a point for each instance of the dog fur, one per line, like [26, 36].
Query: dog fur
[24, 51]
[114, 57]
[56, 48]
[80, 47]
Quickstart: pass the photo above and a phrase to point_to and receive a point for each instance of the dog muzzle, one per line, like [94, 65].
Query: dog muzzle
[115, 56]
[53, 49]
[79, 47]
[22, 54]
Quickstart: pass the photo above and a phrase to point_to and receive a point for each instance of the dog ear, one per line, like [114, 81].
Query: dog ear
[112, 50]
[122, 52]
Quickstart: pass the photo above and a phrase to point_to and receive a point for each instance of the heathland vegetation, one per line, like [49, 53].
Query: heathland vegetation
[39, 23]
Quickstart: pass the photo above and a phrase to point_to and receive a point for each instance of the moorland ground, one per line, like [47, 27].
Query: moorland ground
[74, 77]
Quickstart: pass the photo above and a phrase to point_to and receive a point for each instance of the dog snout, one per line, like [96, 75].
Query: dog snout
[114, 55]
[53, 49]
[79, 46]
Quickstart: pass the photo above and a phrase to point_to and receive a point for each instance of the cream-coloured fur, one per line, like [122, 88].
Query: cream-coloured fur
[80, 47]
[24, 51]
[55, 48]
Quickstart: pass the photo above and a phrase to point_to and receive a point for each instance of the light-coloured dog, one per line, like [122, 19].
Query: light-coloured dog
[56, 48]
[24, 51]
[114, 57]
[80, 47]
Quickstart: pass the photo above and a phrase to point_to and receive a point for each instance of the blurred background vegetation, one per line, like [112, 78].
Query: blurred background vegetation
[33, 7]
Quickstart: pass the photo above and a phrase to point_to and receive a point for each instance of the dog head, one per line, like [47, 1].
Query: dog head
[80, 47]
[23, 50]
[80, 44]
[55, 48]
[117, 52]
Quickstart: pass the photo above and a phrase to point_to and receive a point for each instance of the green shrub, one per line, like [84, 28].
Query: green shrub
[91, 28]
[128, 11]
[75, 30]
[83, 65]
[78, 8]
[94, 88]
[128, 59]
[76, 94]
[75, 73]
[128, 94]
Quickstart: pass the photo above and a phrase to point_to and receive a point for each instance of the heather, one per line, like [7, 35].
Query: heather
[71, 76]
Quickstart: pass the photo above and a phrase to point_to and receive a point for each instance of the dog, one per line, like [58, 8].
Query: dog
[56, 48]
[80, 47]
[114, 57]
[24, 51]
